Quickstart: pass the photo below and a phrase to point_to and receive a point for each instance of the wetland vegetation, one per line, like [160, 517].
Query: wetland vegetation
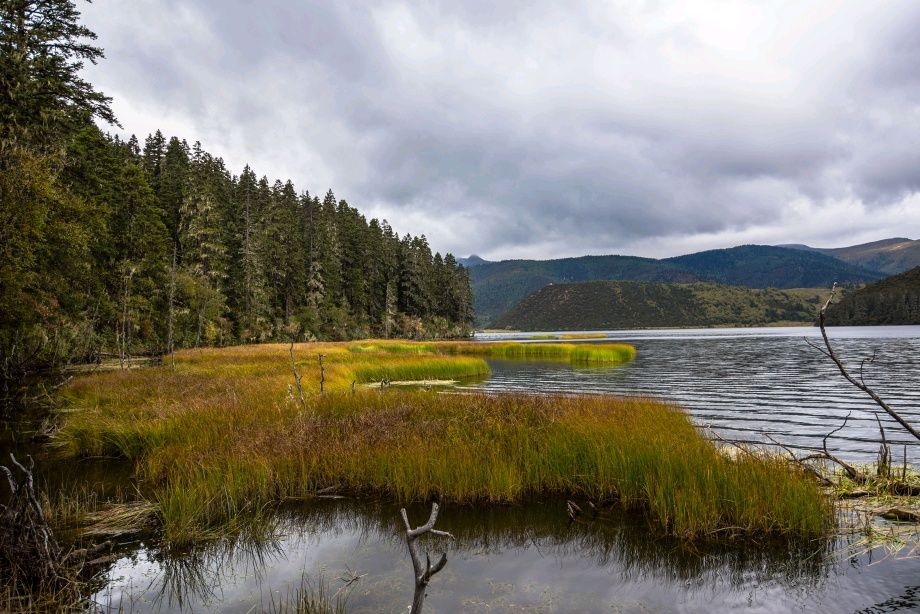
[216, 435]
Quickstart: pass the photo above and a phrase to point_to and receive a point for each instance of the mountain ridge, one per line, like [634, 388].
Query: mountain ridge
[498, 286]
[892, 256]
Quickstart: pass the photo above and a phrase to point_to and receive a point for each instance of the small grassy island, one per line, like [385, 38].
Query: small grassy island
[218, 435]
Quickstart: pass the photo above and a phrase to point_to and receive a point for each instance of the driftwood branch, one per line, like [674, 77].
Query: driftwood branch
[859, 384]
[423, 571]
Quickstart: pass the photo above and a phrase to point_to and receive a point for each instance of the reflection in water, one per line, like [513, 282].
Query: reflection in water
[504, 558]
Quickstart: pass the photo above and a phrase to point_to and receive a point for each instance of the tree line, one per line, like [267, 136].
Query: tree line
[107, 245]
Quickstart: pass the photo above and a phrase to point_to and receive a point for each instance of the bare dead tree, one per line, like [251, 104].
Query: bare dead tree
[422, 572]
[297, 377]
[172, 309]
[860, 383]
[125, 326]
[322, 375]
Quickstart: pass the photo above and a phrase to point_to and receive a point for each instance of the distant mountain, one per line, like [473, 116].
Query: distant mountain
[893, 300]
[801, 246]
[606, 305]
[889, 256]
[766, 266]
[472, 261]
[498, 286]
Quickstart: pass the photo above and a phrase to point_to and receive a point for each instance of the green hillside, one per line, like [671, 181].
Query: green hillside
[607, 305]
[893, 300]
[498, 286]
[766, 266]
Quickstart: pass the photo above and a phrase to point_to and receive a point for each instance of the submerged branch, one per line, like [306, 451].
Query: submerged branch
[422, 572]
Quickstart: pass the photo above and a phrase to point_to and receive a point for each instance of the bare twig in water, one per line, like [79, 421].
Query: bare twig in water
[803, 462]
[422, 572]
[822, 455]
[829, 352]
[572, 509]
[884, 452]
[853, 473]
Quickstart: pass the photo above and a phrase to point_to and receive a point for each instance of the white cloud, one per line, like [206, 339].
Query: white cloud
[540, 129]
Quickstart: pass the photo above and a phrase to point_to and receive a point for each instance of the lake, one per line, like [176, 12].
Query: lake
[741, 383]
[745, 383]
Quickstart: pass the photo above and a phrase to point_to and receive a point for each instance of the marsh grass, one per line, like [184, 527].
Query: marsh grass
[569, 336]
[53, 599]
[217, 442]
[575, 353]
[310, 597]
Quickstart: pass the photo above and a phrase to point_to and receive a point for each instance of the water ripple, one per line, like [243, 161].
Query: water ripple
[744, 383]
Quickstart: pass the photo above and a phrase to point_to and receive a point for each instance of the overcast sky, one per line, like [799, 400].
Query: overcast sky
[537, 130]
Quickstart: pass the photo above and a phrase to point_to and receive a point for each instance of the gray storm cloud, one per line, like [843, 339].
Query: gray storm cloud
[548, 129]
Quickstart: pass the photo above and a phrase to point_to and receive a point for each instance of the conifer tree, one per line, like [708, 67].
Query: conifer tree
[42, 96]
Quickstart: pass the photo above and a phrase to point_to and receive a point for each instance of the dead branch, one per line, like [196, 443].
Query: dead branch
[853, 473]
[803, 462]
[822, 454]
[422, 572]
[884, 453]
[322, 375]
[28, 550]
[843, 370]
[297, 378]
[572, 509]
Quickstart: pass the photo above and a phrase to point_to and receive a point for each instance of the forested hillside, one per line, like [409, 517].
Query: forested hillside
[766, 266]
[110, 245]
[608, 305]
[893, 300]
[498, 286]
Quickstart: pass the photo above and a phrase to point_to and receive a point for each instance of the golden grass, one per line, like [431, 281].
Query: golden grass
[582, 336]
[220, 438]
[576, 353]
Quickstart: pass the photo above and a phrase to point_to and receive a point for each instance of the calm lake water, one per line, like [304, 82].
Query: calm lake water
[741, 382]
[512, 559]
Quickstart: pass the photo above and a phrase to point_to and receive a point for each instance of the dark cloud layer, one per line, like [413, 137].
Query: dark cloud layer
[545, 129]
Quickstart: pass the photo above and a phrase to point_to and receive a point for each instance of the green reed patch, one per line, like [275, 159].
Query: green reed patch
[576, 353]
